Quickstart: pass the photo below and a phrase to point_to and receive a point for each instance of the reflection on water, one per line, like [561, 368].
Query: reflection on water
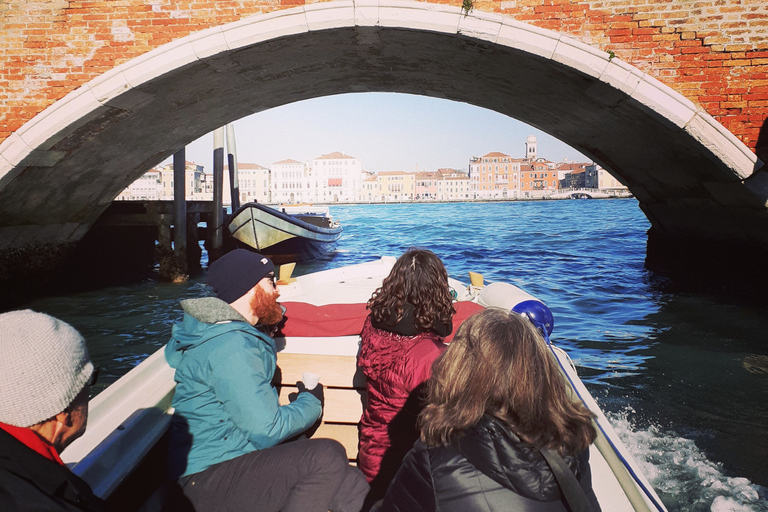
[679, 374]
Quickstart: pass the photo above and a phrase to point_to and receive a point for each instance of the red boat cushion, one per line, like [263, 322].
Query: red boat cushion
[307, 320]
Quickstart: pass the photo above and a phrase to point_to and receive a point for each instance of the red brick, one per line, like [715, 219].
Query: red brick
[716, 56]
[736, 63]
[695, 49]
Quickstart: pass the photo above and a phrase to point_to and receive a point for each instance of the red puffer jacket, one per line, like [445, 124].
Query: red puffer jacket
[396, 366]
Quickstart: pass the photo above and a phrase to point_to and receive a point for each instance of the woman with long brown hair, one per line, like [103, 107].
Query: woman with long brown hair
[498, 409]
[410, 315]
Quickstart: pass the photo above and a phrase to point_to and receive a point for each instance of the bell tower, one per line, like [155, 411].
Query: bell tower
[530, 147]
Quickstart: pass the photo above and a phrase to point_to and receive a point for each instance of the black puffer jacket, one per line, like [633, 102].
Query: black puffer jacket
[489, 470]
[29, 481]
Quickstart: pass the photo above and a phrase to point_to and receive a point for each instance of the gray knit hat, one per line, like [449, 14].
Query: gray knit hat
[44, 364]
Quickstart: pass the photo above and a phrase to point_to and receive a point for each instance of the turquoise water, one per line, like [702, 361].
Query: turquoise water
[683, 377]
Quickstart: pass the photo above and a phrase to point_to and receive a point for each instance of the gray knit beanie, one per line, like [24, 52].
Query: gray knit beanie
[44, 364]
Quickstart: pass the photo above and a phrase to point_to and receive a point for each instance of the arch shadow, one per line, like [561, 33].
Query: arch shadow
[693, 179]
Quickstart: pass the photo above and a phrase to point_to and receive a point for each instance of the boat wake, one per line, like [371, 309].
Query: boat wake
[683, 477]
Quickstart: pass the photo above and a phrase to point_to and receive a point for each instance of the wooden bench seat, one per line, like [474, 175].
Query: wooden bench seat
[345, 393]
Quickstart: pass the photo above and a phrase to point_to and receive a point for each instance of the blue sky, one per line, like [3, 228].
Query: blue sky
[387, 131]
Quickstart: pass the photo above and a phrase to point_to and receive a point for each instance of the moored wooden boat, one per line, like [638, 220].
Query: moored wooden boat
[293, 233]
[127, 421]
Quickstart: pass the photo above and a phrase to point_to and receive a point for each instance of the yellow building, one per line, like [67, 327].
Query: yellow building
[396, 185]
[369, 190]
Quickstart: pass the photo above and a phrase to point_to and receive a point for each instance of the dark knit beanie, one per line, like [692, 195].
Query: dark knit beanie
[232, 275]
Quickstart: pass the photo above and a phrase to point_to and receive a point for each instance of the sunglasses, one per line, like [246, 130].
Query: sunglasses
[271, 276]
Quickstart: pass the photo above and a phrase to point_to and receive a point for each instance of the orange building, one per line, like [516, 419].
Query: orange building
[494, 176]
[538, 176]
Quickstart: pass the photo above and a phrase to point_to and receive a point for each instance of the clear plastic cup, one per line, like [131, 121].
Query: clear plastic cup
[310, 380]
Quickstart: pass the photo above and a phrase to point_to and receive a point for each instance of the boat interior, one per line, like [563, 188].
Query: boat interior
[122, 454]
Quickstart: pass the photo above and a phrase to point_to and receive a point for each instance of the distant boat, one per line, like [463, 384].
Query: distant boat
[293, 233]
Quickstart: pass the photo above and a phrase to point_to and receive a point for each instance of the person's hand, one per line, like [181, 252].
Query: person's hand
[317, 391]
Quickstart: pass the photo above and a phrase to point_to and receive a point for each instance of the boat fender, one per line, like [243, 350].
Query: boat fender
[510, 297]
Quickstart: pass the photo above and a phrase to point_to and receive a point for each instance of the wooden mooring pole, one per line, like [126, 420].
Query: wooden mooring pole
[234, 184]
[180, 211]
[217, 239]
[171, 253]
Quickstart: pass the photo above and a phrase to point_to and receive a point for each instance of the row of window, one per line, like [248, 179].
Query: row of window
[334, 162]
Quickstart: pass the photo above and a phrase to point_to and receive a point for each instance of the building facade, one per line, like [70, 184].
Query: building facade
[157, 184]
[146, 188]
[396, 186]
[253, 181]
[290, 183]
[494, 176]
[369, 191]
[597, 177]
[426, 185]
[538, 177]
[335, 178]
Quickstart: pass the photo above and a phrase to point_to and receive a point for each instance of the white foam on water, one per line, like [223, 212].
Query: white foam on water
[681, 474]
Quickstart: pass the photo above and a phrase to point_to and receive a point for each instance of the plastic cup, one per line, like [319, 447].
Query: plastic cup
[310, 380]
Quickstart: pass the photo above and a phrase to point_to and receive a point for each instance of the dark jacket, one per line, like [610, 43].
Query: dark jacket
[487, 469]
[29, 481]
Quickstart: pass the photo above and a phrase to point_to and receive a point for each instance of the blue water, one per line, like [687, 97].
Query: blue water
[683, 377]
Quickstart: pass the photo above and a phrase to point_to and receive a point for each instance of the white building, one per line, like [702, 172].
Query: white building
[455, 188]
[597, 177]
[146, 188]
[157, 184]
[253, 181]
[335, 177]
[291, 183]
[194, 175]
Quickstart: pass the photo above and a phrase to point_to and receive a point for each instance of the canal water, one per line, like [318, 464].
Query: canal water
[683, 376]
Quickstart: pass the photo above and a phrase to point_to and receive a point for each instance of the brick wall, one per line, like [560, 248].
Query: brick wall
[714, 52]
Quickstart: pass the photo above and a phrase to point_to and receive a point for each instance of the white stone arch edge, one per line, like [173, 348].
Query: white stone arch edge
[32, 142]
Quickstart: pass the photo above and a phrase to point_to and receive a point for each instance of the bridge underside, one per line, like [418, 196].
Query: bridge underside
[697, 191]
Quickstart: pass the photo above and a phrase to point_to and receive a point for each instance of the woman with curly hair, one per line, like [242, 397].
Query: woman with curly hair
[410, 315]
[498, 413]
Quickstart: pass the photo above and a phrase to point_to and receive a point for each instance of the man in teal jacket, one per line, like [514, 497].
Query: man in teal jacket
[228, 426]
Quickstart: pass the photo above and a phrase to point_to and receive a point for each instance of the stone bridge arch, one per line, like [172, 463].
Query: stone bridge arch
[695, 180]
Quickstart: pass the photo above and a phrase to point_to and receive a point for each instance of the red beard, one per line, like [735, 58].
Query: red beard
[265, 306]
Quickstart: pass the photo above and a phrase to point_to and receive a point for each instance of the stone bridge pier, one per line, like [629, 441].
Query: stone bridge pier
[670, 97]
